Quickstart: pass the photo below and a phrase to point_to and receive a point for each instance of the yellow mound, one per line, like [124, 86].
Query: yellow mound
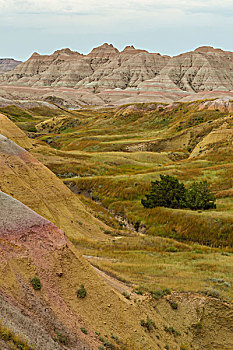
[27, 180]
[10, 130]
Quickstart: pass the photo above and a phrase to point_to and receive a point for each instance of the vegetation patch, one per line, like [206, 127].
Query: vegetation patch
[148, 324]
[15, 341]
[81, 292]
[83, 330]
[171, 330]
[159, 293]
[169, 192]
[36, 283]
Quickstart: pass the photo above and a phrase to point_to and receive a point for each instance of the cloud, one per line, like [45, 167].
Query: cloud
[94, 7]
[44, 25]
[111, 15]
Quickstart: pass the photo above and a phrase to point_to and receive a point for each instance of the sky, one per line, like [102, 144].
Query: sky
[165, 26]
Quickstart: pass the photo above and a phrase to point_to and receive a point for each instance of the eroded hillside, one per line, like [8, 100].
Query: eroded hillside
[107, 76]
[164, 283]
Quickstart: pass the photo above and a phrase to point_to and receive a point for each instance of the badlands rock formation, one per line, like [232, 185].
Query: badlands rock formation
[7, 64]
[105, 66]
[205, 68]
[108, 76]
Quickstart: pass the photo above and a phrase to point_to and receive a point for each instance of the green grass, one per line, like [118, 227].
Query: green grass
[144, 261]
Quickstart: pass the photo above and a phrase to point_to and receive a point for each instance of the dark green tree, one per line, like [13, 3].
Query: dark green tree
[166, 192]
[169, 192]
[199, 197]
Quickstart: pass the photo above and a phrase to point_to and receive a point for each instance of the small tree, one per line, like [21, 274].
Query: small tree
[166, 192]
[199, 197]
[169, 192]
[81, 293]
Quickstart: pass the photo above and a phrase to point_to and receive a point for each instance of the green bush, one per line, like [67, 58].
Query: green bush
[32, 129]
[15, 341]
[199, 197]
[81, 293]
[84, 330]
[36, 283]
[159, 293]
[171, 330]
[62, 339]
[198, 326]
[174, 305]
[169, 192]
[148, 324]
[171, 249]
[166, 192]
[138, 291]
[184, 347]
[126, 295]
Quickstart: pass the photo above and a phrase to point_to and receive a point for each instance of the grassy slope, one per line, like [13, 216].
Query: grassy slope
[92, 145]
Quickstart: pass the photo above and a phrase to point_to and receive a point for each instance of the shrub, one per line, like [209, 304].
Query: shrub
[148, 324]
[15, 341]
[212, 293]
[81, 293]
[138, 291]
[166, 192]
[36, 283]
[137, 225]
[107, 344]
[198, 326]
[184, 347]
[159, 293]
[126, 295]
[171, 249]
[199, 197]
[84, 330]
[169, 192]
[115, 337]
[174, 305]
[32, 129]
[62, 339]
[171, 330]
[166, 291]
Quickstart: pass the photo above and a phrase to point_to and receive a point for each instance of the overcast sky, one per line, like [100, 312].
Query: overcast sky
[165, 26]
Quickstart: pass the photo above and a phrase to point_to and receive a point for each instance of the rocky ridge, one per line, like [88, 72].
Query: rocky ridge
[131, 70]
[7, 64]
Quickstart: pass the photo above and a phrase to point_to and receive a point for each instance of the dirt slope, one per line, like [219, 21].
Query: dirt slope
[32, 183]
[31, 245]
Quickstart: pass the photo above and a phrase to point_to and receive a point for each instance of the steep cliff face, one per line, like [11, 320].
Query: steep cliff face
[204, 69]
[105, 65]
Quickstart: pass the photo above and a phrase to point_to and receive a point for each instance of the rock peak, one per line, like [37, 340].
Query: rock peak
[66, 51]
[207, 49]
[105, 50]
[130, 49]
[35, 54]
